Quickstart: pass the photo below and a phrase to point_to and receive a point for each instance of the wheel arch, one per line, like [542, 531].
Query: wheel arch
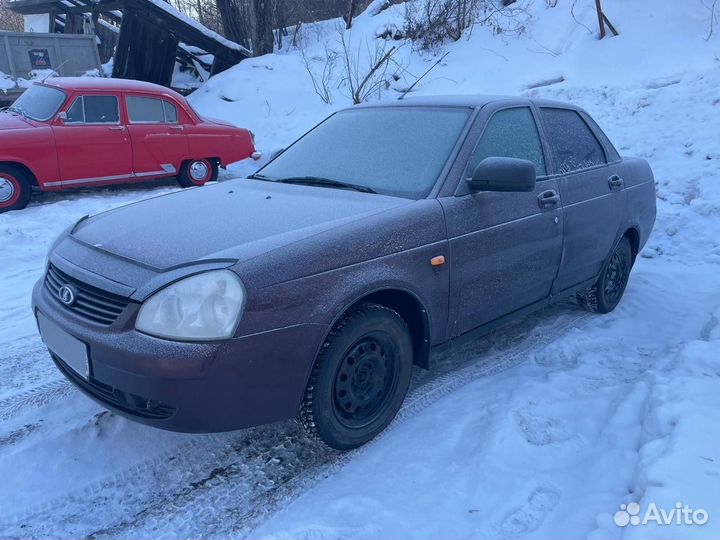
[633, 235]
[410, 308]
[27, 170]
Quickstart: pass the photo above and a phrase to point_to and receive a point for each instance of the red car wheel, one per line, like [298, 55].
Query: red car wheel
[14, 189]
[198, 172]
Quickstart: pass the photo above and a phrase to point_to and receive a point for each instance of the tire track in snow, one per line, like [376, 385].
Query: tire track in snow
[216, 484]
[34, 398]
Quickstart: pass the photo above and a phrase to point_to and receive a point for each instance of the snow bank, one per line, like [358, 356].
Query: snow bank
[6, 82]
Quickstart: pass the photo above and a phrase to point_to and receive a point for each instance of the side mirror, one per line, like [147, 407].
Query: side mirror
[503, 174]
[62, 117]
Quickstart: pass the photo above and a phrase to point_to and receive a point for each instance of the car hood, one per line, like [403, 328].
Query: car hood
[12, 121]
[239, 219]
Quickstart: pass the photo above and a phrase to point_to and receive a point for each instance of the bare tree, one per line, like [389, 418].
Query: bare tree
[429, 23]
[368, 75]
[350, 6]
[714, 19]
[322, 79]
[249, 22]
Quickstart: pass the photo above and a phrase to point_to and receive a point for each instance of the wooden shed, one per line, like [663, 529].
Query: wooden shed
[147, 36]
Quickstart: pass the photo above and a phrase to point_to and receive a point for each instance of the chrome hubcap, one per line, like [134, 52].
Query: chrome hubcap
[7, 190]
[198, 170]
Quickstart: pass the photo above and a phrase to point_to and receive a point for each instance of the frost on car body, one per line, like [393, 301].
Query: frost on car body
[386, 231]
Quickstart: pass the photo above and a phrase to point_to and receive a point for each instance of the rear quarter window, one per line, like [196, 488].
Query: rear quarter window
[574, 146]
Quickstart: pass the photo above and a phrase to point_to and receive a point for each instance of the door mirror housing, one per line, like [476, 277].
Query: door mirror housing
[62, 117]
[503, 174]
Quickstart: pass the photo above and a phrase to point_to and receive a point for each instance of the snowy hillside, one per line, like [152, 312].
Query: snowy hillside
[542, 429]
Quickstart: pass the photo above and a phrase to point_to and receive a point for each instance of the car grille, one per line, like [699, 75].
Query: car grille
[91, 303]
[131, 404]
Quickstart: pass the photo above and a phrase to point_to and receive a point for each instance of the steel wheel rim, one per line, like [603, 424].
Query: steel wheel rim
[199, 170]
[7, 189]
[364, 381]
[616, 276]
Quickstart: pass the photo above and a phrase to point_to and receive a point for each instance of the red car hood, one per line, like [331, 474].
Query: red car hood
[13, 121]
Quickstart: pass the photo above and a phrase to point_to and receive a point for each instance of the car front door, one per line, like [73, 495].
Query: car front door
[157, 134]
[92, 143]
[592, 194]
[505, 247]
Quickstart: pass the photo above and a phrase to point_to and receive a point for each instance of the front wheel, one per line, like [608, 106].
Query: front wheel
[15, 188]
[605, 295]
[198, 172]
[360, 377]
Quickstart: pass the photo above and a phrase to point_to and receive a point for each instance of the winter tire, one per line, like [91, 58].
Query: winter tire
[360, 377]
[15, 188]
[198, 172]
[605, 295]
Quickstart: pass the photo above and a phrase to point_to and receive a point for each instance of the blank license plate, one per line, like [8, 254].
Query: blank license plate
[70, 350]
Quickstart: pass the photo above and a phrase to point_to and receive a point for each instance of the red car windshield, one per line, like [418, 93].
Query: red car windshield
[39, 102]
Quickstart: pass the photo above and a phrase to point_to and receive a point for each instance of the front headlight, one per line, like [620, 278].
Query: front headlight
[203, 307]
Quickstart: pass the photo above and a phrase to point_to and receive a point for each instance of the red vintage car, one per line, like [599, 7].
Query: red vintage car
[79, 132]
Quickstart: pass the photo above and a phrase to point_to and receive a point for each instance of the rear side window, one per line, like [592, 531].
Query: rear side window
[171, 116]
[574, 146]
[510, 133]
[93, 110]
[150, 110]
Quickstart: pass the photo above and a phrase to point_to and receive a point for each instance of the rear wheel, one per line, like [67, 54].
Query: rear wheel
[197, 172]
[605, 295]
[15, 188]
[360, 378]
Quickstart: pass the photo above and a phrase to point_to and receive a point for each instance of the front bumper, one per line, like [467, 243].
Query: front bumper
[190, 387]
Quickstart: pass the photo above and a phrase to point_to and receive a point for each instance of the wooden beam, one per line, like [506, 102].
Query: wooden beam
[601, 21]
[610, 25]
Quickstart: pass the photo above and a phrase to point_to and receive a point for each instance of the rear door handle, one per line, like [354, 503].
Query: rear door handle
[548, 198]
[615, 182]
[117, 128]
[177, 128]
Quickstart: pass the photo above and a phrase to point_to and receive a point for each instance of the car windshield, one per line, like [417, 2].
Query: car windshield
[39, 102]
[392, 151]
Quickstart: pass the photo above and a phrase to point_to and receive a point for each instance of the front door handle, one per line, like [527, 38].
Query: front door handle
[548, 198]
[615, 182]
[117, 128]
[177, 128]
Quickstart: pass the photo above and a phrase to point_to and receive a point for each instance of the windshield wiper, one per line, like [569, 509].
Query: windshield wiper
[319, 181]
[17, 110]
[257, 176]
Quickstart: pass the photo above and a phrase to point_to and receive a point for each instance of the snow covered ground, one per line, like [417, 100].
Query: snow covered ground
[541, 429]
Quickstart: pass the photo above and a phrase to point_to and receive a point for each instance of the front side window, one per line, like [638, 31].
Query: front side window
[510, 133]
[39, 102]
[574, 146]
[143, 110]
[93, 110]
[398, 151]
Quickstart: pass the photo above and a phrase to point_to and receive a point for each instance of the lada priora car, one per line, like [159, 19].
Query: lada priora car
[314, 287]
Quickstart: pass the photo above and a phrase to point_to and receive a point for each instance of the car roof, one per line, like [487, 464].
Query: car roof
[102, 84]
[468, 100]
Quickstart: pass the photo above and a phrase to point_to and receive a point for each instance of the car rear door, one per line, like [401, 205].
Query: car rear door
[157, 134]
[92, 143]
[505, 247]
[591, 191]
